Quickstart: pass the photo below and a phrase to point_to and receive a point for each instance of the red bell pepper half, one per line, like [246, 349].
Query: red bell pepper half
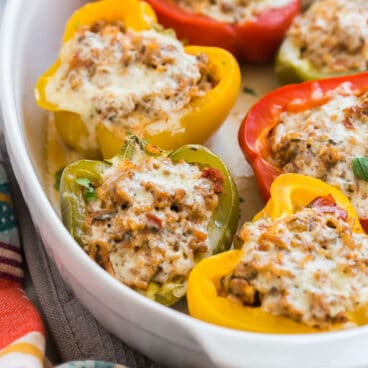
[265, 114]
[254, 41]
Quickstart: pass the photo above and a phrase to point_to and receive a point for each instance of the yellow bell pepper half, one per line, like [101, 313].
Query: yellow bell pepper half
[205, 114]
[288, 192]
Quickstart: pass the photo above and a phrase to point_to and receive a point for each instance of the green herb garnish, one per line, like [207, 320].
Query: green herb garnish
[89, 192]
[249, 91]
[360, 167]
[58, 178]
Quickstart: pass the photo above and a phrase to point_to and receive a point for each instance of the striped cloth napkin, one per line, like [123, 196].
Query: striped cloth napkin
[22, 334]
[22, 341]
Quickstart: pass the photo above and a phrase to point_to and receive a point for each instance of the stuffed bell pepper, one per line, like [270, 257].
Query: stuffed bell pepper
[147, 216]
[251, 30]
[118, 71]
[302, 267]
[329, 39]
[318, 129]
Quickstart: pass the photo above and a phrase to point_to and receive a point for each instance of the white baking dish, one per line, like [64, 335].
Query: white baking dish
[30, 37]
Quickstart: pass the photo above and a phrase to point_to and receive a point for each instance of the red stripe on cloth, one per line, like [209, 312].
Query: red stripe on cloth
[11, 262]
[18, 316]
[4, 284]
[12, 247]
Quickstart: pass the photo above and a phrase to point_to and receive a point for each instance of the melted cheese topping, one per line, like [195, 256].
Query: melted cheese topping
[127, 80]
[333, 35]
[150, 222]
[308, 266]
[322, 142]
[231, 11]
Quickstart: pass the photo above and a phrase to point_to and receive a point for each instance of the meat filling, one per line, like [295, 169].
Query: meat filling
[150, 221]
[230, 11]
[333, 35]
[322, 142]
[127, 80]
[308, 266]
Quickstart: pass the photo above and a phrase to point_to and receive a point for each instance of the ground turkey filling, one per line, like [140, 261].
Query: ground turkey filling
[230, 11]
[127, 80]
[150, 221]
[308, 266]
[322, 142]
[333, 35]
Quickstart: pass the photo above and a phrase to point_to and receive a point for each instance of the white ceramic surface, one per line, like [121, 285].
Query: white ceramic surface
[29, 42]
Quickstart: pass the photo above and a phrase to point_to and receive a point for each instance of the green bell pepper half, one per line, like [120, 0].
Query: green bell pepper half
[222, 226]
[290, 67]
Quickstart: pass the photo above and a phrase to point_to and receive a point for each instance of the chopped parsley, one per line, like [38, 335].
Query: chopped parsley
[89, 192]
[249, 91]
[360, 167]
